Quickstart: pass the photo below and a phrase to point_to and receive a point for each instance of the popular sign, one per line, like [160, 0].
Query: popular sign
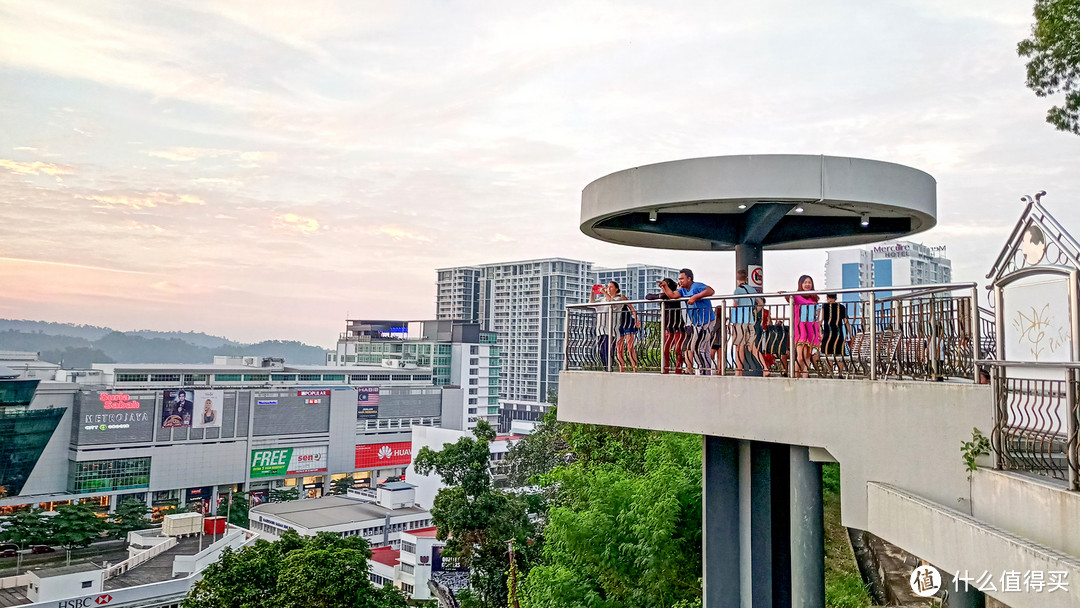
[383, 455]
[288, 461]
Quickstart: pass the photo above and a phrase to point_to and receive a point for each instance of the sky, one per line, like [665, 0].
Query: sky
[266, 170]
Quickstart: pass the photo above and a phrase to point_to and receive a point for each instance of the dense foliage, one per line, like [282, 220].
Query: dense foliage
[1053, 54]
[70, 527]
[625, 525]
[320, 571]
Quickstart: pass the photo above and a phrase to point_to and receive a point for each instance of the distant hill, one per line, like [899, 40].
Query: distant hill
[78, 346]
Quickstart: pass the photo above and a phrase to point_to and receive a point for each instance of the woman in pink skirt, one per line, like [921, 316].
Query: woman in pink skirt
[807, 329]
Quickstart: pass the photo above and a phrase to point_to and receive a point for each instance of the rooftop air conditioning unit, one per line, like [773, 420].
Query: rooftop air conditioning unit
[251, 361]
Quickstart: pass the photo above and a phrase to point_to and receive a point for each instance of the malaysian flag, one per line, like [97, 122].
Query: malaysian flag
[369, 396]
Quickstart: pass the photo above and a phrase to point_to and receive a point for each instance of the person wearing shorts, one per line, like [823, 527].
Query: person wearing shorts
[742, 322]
[699, 319]
[835, 328]
[674, 327]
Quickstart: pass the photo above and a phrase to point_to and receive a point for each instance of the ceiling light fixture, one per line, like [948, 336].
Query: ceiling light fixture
[865, 220]
[652, 215]
[799, 209]
[742, 206]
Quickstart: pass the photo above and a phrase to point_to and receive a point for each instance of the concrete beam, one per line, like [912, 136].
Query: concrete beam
[953, 541]
[906, 433]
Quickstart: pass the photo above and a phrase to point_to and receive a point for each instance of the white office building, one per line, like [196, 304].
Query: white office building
[458, 353]
[892, 263]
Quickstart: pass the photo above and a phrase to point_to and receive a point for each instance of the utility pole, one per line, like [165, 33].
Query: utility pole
[513, 575]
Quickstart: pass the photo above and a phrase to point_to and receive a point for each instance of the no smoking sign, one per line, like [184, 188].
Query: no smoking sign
[756, 276]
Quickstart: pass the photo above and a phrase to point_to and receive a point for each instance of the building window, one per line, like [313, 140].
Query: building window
[256, 377]
[406, 568]
[192, 378]
[164, 377]
[131, 377]
[333, 377]
[408, 547]
[401, 377]
[227, 377]
[474, 350]
[310, 377]
[472, 391]
[358, 377]
[283, 377]
[109, 475]
[376, 377]
[472, 401]
[474, 361]
[472, 381]
[474, 372]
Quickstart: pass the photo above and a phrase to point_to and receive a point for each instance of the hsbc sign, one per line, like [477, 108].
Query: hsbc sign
[383, 455]
[86, 602]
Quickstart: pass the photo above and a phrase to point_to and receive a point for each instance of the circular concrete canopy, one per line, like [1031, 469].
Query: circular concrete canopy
[718, 202]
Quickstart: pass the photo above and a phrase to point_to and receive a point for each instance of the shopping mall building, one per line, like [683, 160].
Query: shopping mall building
[177, 434]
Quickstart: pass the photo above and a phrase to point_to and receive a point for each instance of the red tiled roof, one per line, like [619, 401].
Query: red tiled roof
[385, 555]
[423, 532]
[508, 437]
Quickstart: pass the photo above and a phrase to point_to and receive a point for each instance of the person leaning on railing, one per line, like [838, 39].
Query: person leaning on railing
[674, 326]
[699, 317]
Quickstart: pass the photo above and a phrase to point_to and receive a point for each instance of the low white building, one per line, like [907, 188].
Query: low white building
[411, 566]
[378, 516]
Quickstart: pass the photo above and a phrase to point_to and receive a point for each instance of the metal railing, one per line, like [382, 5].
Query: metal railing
[923, 332]
[1036, 416]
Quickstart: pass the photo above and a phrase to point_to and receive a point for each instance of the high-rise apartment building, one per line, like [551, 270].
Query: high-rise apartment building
[636, 280]
[889, 264]
[458, 294]
[524, 303]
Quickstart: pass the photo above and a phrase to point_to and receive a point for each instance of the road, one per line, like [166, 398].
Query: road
[112, 551]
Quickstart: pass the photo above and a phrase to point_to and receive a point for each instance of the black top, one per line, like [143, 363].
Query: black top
[673, 317]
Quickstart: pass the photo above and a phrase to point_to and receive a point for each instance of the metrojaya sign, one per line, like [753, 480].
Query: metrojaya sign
[288, 461]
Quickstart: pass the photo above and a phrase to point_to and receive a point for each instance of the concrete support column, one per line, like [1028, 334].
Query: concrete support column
[807, 531]
[720, 523]
[748, 254]
[764, 529]
[962, 598]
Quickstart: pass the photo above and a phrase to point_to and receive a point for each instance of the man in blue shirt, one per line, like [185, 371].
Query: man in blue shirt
[699, 319]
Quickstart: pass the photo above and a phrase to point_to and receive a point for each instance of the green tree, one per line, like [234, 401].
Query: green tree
[323, 571]
[476, 519]
[76, 526]
[27, 528]
[238, 511]
[279, 495]
[341, 486]
[624, 531]
[1053, 54]
[130, 515]
[539, 452]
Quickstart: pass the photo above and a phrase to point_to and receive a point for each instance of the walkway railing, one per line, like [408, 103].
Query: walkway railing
[924, 332]
[1036, 416]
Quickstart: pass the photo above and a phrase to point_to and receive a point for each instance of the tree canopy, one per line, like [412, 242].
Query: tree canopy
[1053, 54]
[323, 571]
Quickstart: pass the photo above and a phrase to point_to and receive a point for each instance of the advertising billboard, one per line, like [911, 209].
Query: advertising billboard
[177, 408]
[397, 454]
[277, 462]
[208, 406]
[114, 417]
[367, 402]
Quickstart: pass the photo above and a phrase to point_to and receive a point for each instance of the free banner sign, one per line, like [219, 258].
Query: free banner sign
[278, 462]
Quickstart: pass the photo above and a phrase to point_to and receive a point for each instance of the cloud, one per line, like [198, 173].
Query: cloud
[34, 168]
[184, 155]
[398, 234]
[142, 201]
[294, 222]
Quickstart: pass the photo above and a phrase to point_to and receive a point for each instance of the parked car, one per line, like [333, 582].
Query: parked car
[36, 549]
[8, 552]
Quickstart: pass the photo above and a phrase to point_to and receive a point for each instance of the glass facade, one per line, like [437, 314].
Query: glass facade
[17, 392]
[25, 434]
[109, 475]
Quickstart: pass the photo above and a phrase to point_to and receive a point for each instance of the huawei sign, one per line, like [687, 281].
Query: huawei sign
[383, 454]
